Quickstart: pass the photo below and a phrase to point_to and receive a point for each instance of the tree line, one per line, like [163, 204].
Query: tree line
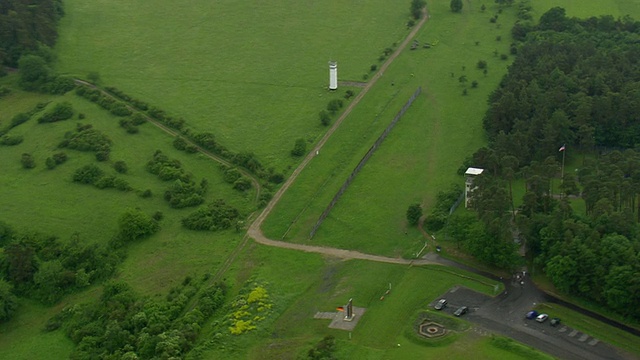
[574, 86]
[27, 27]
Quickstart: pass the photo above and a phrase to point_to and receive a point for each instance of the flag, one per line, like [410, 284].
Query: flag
[561, 148]
[340, 308]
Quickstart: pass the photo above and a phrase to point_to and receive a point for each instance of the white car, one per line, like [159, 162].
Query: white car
[542, 318]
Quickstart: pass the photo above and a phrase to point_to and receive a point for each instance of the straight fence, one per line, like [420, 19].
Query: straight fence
[363, 161]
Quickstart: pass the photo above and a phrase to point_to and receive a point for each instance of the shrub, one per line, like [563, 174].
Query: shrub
[179, 143]
[87, 174]
[373, 67]
[299, 148]
[231, 175]
[414, 212]
[349, 94]
[325, 118]
[51, 164]
[59, 158]
[242, 184]
[482, 64]
[27, 161]
[334, 105]
[121, 167]
[18, 119]
[120, 109]
[62, 111]
[11, 140]
[215, 216]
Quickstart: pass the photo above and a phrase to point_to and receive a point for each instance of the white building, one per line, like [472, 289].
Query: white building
[470, 174]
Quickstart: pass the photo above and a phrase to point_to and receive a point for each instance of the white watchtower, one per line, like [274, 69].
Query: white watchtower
[333, 75]
[470, 174]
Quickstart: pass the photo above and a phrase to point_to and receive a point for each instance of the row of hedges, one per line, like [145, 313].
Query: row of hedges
[117, 108]
[22, 118]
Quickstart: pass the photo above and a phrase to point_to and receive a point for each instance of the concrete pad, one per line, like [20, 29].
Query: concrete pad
[573, 333]
[563, 329]
[583, 338]
[593, 342]
[338, 321]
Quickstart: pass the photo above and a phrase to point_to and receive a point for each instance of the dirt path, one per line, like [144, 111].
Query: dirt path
[214, 157]
[255, 230]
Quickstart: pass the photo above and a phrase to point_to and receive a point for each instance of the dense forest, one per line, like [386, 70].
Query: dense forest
[574, 87]
[27, 27]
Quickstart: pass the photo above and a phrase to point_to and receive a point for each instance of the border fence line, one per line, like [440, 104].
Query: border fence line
[363, 161]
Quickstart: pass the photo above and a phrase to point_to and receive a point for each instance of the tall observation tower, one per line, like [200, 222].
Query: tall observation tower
[333, 75]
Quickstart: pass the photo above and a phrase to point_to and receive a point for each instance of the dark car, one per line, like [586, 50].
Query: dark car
[461, 311]
[555, 321]
[440, 304]
[532, 315]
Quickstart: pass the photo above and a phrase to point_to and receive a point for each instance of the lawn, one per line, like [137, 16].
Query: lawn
[253, 73]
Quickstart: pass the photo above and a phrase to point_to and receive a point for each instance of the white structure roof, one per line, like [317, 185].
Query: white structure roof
[473, 171]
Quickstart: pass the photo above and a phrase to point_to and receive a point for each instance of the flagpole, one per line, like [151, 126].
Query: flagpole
[562, 172]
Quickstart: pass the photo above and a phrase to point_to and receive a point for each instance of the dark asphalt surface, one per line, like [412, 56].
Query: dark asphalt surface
[505, 315]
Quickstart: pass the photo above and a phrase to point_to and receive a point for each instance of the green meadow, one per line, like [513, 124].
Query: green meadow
[255, 74]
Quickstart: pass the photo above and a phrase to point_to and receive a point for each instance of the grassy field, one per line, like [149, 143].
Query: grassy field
[253, 73]
[420, 156]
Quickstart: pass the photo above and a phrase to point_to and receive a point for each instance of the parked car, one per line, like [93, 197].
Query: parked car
[542, 318]
[440, 304]
[461, 311]
[531, 314]
[555, 321]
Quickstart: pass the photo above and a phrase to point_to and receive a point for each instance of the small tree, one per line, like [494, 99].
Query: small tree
[474, 84]
[414, 212]
[50, 163]
[135, 224]
[299, 148]
[416, 8]
[462, 79]
[482, 64]
[456, 5]
[325, 118]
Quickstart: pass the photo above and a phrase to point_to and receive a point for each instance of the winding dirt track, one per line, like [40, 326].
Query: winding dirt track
[255, 230]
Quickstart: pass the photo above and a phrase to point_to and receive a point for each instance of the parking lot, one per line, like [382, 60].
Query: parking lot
[505, 315]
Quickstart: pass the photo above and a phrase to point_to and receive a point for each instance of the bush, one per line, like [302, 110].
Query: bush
[27, 161]
[51, 164]
[482, 64]
[231, 175]
[60, 158]
[18, 119]
[121, 167]
[179, 143]
[334, 105]
[88, 174]
[11, 140]
[300, 148]
[134, 224]
[349, 94]
[215, 216]
[62, 111]
[373, 67]
[242, 184]
[325, 118]
[414, 212]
